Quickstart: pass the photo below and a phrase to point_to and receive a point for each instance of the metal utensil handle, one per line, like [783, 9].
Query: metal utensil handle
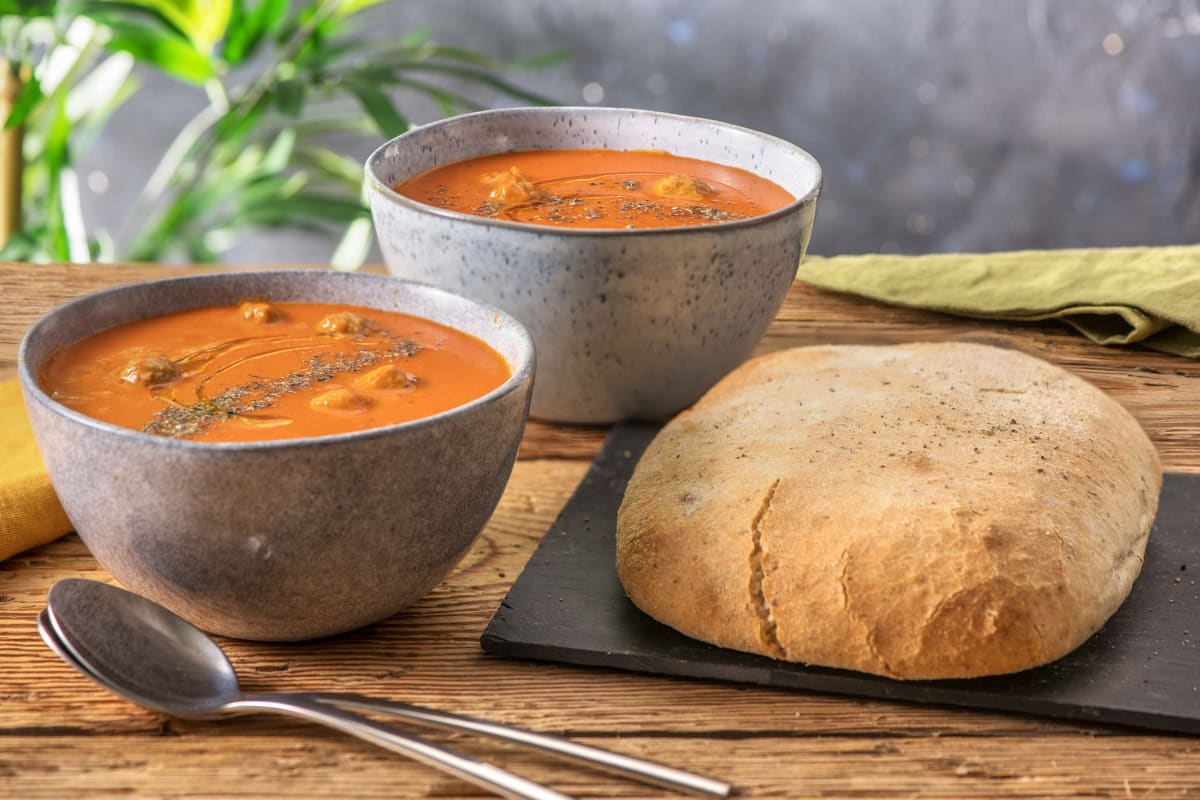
[647, 771]
[479, 773]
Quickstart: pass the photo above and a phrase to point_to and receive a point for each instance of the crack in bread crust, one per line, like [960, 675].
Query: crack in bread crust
[758, 597]
[867, 632]
[885, 509]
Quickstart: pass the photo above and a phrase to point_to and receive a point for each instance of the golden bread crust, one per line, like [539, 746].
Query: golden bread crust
[917, 511]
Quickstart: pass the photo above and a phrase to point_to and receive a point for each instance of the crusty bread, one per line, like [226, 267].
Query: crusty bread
[915, 511]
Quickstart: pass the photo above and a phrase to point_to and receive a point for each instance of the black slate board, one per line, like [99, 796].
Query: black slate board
[1141, 669]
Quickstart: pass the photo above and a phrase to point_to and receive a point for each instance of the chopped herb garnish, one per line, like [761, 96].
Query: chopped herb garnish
[183, 420]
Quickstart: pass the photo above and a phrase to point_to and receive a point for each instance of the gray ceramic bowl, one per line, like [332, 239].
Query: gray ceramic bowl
[628, 324]
[290, 539]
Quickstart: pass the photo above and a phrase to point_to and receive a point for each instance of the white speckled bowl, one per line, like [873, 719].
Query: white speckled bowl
[289, 539]
[628, 323]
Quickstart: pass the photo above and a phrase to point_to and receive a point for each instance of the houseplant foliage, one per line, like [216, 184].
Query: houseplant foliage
[279, 79]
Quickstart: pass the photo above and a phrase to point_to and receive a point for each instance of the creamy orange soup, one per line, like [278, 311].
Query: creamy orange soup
[597, 189]
[264, 370]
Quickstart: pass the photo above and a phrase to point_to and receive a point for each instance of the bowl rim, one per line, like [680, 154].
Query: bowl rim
[522, 373]
[381, 189]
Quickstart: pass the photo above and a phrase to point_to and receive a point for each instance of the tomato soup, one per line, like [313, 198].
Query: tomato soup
[263, 370]
[597, 189]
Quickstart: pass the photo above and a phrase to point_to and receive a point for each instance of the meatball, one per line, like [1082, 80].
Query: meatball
[152, 369]
[258, 312]
[343, 323]
[684, 187]
[511, 187]
[342, 399]
[389, 377]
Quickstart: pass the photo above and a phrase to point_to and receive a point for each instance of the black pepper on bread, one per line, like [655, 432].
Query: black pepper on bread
[916, 511]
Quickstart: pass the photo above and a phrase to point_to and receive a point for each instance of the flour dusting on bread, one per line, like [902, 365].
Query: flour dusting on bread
[915, 511]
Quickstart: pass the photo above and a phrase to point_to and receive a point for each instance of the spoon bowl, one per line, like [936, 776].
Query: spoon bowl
[163, 662]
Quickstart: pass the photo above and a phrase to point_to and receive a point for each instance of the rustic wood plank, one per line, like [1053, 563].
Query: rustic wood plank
[320, 764]
[27, 291]
[61, 736]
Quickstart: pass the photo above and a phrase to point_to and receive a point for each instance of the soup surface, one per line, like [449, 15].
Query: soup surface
[264, 370]
[597, 189]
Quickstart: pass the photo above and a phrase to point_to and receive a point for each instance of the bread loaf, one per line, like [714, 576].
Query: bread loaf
[915, 511]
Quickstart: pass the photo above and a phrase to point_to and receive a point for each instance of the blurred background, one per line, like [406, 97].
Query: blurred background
[941, 125]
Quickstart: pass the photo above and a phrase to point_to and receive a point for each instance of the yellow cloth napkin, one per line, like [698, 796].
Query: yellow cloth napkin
[1144, 295]
[30, 513]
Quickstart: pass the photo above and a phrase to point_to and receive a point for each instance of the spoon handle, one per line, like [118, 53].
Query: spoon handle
[472, 770]
[646, 771]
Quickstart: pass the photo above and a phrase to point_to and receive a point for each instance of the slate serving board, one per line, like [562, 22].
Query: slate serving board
[1141, 669]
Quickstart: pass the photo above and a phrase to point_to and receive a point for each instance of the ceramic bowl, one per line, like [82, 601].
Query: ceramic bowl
[290, 539]
[628, 323]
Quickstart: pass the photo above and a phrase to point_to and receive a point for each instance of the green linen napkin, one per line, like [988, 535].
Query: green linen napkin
[1144, 295]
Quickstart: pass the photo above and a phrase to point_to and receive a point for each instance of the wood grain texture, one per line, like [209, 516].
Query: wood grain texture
[60, 736]
[308, 762]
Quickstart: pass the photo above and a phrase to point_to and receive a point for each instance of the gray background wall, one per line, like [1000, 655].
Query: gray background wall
[941, 125]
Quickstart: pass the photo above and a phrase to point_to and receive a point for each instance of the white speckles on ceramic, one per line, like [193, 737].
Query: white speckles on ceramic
[289, 539]
[628, 324]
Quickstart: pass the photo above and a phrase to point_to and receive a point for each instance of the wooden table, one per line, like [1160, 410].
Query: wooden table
[61, 736]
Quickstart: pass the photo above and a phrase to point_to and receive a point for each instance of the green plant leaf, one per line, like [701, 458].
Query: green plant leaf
[379, 107]
[198, 251]
[415, 37]
[354, 246]
[485, 79]
[98, 91]
[316, 21]
[27, 100]
[463, 55]
[188, 207]
[56, 155]
[392, 70]
[203, 22]
[323, 125]
[320, 57]
[27, 8]
[385, 52]
[280, 152]
[240, 39]
[248, 28]
[543, 60]
[235, 125]
[23, 245]
[289, 97]
[270, 14]
[93, 100]
[246, 166]
[348, 8]
[259, 194]
[449, 103]
[55, 151]
[168, 51]
[336, 167]
[305, 206]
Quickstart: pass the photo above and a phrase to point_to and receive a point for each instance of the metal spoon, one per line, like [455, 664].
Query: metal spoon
[146, 654]
[646, 771]
[124, 641]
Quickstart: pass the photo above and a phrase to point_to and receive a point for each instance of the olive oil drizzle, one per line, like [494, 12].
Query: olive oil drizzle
[245, 402]
[560, 202]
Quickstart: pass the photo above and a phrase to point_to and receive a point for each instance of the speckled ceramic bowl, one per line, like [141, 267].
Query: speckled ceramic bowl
[289, 539]
[628, 323]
